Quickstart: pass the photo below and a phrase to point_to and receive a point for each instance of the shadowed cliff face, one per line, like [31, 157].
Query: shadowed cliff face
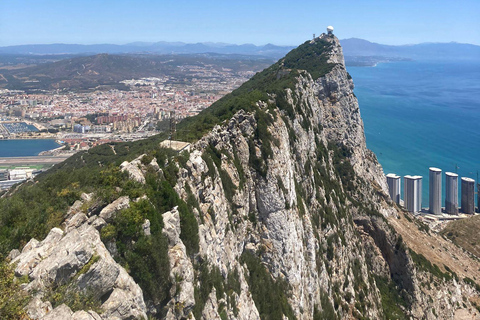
[279, 211]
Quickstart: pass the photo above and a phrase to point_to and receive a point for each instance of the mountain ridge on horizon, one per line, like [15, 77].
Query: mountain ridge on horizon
[351, 47]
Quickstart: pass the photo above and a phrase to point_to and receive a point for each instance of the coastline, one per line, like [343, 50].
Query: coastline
[421, 100]
[29, 138]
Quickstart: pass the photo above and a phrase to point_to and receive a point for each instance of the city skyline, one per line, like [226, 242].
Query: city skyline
[280, 23]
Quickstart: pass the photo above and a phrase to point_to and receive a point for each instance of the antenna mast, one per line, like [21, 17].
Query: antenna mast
[173, 125]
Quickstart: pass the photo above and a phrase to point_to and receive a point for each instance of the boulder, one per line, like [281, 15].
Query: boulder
[134, 169]
[109, 212]
[79, 259]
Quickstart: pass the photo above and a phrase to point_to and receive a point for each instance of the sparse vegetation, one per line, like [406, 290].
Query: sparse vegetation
[271, 82]
[270, 295]
[12, 297]
[464, 233]
[393, 303]
[427, 266]
[210, 277]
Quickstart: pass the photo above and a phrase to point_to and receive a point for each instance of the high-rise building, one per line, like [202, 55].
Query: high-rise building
[435, 191]
[451, 193]
[478, 196]
[413, 193]
[468, 195]
[394, 183]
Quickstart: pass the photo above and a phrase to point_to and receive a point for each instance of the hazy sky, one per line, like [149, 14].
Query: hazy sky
[248, 21]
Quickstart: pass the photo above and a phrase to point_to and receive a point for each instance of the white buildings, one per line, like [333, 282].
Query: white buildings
[451, 193]
[394, 187]
[435, 191]
[413, 193]
[468, 195]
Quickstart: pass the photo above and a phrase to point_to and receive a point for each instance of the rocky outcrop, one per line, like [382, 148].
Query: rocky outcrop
[181, 269]
[108, 213]
[134, 169]
[78, 261]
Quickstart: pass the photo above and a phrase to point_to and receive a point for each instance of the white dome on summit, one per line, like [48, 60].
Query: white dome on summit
[329, 28]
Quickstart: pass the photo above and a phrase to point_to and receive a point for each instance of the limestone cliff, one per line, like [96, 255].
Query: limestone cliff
[290, 216]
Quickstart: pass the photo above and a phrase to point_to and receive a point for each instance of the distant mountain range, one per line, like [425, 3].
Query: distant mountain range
[432, 51]
[351, 47]
[268, 50]
[106, 70]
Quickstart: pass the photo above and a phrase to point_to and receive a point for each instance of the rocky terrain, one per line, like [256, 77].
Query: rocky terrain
[279, 211]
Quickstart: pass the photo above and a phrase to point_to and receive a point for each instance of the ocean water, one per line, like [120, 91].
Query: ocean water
[421, 114]
[24, 148]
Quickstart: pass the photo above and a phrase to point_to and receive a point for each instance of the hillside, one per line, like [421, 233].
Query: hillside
[107, 70]
[277, 211]
[465, 234]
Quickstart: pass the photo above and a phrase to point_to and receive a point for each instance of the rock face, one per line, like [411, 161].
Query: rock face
[134, 169]
[292, 215]
[77, 259]
[181, 268]
[314, 213]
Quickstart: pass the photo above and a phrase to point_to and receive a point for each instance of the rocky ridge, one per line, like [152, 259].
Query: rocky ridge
[292, 215]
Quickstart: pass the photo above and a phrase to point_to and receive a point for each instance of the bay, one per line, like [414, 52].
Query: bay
[25, 148]
[421, 114]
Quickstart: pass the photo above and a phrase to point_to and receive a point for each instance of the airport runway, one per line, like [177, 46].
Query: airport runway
[35, 160]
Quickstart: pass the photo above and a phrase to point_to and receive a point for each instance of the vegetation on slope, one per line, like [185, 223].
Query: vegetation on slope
[12, 297]
[107, 70]
[393, 304]
[270, 295]
[464, 233]
[311, 57]
[34, 208]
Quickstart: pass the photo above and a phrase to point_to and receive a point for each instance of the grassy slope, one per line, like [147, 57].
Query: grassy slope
[435, 248]
[465, 234]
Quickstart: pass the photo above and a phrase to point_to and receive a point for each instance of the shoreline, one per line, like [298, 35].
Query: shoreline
[29, 138]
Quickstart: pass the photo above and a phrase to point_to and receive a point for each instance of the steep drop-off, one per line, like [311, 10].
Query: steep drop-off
[278, 211]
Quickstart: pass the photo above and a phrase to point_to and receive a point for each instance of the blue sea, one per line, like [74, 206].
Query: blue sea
[421, 114]
[24, 148]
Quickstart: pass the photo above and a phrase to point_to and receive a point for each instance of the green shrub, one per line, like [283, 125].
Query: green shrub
[327, 312]
[270, 295]
[210, 277]
[392, 300]
[13, 298]
[427, 266]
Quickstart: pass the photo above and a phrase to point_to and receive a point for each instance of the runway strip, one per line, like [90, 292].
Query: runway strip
[35, 160]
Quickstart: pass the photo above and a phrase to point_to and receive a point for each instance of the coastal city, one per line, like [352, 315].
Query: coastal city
[81, 120]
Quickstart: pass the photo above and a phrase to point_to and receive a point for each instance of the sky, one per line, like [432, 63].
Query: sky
[259, 22]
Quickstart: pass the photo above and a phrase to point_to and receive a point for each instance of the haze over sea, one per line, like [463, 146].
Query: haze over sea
[25, 148]
[421, 114]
